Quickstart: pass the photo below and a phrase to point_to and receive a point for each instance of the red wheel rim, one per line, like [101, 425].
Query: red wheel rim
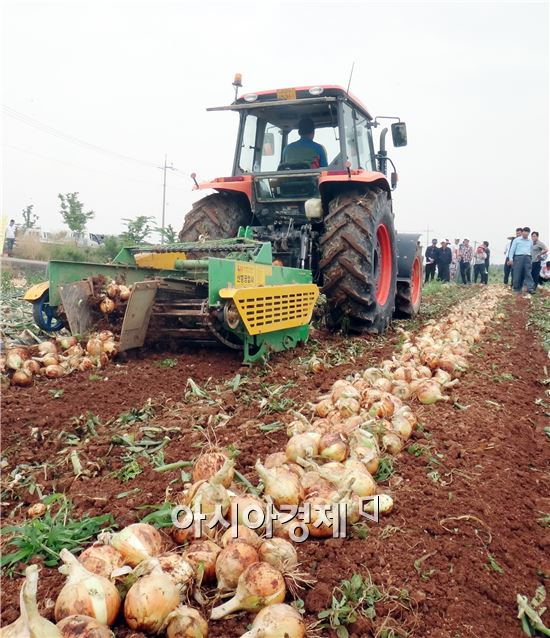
[384, 263]
[416, 282]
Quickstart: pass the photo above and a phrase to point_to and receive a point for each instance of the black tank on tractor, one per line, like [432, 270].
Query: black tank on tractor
[336, 220]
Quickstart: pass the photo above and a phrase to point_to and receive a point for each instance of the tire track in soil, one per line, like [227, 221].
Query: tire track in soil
[493, 458]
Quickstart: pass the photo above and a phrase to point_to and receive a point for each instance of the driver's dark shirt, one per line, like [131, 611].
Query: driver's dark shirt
[305, 150]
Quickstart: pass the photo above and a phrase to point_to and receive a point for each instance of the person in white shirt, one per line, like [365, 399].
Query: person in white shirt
[10, 237]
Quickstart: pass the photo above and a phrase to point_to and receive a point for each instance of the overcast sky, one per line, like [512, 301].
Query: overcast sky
[130, 81]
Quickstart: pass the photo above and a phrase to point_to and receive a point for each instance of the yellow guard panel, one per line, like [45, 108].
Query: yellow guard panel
[161, 261]
[270, 308]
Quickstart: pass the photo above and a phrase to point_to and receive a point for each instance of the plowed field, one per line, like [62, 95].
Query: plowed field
[471, 489]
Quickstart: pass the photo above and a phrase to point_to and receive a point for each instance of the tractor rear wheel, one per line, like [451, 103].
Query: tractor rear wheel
[216, 216]
[359, 261]
[409, 290]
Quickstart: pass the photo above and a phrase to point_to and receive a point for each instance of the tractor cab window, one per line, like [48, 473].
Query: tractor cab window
[350, 132]
[265, 132]
[248, 144]
[364, 143]
[327, 136]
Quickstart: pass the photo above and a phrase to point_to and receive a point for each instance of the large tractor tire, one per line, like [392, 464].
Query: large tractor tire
[359, 261]
[409, 276]
[215, 216]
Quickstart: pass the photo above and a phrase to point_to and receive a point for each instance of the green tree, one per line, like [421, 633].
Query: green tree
[29, 217]
[72, 211]
[169, 235]
[137, 229]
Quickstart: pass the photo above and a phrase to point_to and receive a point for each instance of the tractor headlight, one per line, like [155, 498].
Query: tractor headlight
[316, 90]
[314, 208]
[250, 97]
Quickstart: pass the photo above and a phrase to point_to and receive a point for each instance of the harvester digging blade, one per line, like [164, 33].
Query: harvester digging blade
[138, 314]
[74, 298]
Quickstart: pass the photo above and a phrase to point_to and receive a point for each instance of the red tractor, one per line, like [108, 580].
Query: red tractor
[325, 205]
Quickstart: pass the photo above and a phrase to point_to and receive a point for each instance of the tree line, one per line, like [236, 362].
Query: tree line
[138, 229]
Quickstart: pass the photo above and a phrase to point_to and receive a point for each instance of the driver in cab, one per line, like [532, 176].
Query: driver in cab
[305, 150]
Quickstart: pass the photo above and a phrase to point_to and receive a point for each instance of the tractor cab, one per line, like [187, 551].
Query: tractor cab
[298, 188]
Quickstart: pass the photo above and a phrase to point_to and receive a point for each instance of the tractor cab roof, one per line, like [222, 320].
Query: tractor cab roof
[289, 101]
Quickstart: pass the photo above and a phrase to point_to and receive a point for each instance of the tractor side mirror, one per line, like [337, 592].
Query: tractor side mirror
[268, 149]
[399, 133]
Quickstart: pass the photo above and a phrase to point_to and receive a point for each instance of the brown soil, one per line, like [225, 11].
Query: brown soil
[491, 480]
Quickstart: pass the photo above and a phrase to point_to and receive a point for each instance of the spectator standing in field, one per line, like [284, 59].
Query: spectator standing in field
[454, 270]
[545, 273]
[520, 258]
[487, 250]
[538, 256]
[507, 266]
[479, 264]
[444, 259]
[431, 260]
[10, 237]
[466, 255]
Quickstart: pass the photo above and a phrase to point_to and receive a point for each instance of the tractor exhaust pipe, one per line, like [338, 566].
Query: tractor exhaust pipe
[382, 153]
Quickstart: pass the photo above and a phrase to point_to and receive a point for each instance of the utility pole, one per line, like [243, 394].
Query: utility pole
[164, 168]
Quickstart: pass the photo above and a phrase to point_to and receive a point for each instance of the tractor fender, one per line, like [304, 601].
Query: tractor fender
[407, 250]
[355, 177]
[35, 292]
[238, 184]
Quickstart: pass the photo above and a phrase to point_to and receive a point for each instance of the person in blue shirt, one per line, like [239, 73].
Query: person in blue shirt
[305, 150]
[519, 257]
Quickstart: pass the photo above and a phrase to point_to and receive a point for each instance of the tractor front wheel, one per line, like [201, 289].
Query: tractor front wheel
[216, 216]
[45, 317]
[359, 261]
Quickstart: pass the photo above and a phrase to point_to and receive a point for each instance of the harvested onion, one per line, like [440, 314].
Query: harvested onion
[85, 593]
[258, 586]
[176, 566]
[281, 485]
[94, 346]
[279, 553]
[101, 559]
[136, 543]
[231, 563]
[429, 392]
[30, 623]
[333, 447]
[79, 626]
[107, 306]
[149, 601]
[277, 621]
[302, 446]
[22, 378]
[210, 464]
[186, 622]
[240, 533]
[203, 555]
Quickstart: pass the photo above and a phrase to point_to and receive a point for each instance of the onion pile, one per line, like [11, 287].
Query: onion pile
[58, 357]
[112, 296]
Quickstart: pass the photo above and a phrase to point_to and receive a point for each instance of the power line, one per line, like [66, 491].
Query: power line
[84, 168]
[46, 128]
